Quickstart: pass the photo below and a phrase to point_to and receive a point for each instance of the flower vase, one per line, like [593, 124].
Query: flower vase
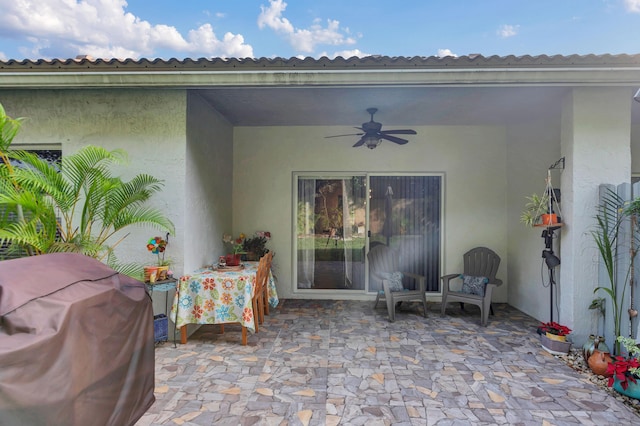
[632, 391]
[233, 259]
[252, 257]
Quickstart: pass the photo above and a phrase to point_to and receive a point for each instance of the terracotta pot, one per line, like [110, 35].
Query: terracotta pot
[598, 362]
[549, 219]
[148, 270]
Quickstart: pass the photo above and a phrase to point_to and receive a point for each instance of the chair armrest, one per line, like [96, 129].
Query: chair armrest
[445, 281]
[449, 277]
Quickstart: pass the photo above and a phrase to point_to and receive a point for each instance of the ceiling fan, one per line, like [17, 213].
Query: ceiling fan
[372, 133]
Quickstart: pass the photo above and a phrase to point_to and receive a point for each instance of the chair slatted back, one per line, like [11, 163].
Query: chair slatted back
[262, 275]
[481, 262]
[382, 259]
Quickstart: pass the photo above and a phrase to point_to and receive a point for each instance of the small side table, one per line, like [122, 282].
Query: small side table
[161, 321]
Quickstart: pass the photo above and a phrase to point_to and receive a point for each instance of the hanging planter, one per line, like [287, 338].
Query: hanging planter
[539, 209]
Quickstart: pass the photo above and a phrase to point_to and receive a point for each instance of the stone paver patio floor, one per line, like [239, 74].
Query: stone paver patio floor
[343, 363]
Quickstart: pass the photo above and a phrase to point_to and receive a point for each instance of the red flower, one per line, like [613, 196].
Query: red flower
[555, 328]
[619, 369]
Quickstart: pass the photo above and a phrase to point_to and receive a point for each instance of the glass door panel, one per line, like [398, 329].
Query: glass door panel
[404, 214]
[330, 233]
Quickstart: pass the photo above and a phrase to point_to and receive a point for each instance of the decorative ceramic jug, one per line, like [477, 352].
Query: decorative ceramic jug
[588, 347]
[598, 362]
[594, 342]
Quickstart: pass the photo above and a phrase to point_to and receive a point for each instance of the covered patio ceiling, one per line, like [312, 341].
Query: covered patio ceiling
[397, 106]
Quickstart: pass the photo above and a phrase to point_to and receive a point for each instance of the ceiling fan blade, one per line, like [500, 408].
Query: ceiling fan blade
[339, 136]
[399, 132]
[359, 143]
[394, 139]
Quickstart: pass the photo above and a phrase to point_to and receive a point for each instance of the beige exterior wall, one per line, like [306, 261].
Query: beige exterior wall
[209, 183]
[531, 149]
[150, 125]
[473, 160]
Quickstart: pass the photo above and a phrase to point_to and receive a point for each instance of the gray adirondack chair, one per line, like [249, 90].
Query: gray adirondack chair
[383, 259]
[478, 262]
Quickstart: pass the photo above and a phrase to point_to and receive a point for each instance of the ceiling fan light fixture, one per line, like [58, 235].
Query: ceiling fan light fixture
[372, 141]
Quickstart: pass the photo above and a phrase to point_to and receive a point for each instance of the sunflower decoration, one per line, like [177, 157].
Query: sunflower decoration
[157, 246]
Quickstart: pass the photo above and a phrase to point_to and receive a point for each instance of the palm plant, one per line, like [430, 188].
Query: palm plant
[610, 218]
[80, 207]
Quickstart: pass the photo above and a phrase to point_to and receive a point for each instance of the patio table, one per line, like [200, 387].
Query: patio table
[211, 296]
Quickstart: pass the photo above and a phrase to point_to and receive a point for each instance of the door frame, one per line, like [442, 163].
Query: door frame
[365, 294]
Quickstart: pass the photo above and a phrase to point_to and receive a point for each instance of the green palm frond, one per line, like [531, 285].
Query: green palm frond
[9, 128]
[40, 204]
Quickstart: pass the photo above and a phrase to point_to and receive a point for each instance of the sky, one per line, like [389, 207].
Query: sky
[64, 29]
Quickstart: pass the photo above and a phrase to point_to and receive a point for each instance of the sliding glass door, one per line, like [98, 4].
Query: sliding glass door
[404, 214]
[330, 233]
[339, 217]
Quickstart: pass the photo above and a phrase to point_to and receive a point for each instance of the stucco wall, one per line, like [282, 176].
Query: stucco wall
[472, 158]
[635, 150]
[208, 183]
[531, 149]
[148, 124]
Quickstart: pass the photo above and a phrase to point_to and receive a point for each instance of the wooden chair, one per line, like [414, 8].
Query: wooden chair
[257, 300]
[270, 256]
[262, 276]
[383, 260]
[478, 262]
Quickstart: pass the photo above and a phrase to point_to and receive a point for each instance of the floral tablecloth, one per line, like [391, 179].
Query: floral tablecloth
[209, 296]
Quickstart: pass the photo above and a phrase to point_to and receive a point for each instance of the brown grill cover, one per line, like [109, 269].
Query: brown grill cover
[76, 343]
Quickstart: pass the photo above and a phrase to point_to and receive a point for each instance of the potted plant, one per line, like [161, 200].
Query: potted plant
[158, 246]
[554, 337]
[610, 221]
[236, 246]
[625, 370]
[255, 247]
[555, 331]
[538, 211]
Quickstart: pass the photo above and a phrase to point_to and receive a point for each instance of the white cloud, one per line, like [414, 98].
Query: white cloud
[102, 29]
[445, 52]
[272, 17]
[632, 6]
[346, 54]
[303, 40]
[349, 53]
[3, 57]
[506, 31]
